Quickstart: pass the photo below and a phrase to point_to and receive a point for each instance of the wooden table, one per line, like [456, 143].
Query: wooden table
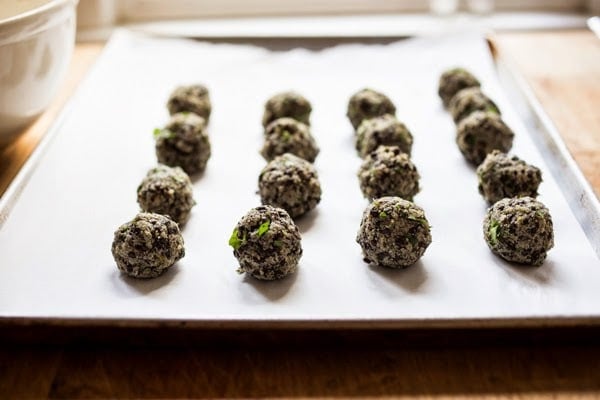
[563, 68]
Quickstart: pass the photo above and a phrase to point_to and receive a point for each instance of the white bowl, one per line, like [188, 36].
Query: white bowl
[36, 45]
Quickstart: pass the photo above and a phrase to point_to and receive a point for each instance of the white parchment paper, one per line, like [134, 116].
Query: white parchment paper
[55, 258]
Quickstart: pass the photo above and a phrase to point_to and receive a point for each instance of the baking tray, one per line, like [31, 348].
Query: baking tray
[59, 214]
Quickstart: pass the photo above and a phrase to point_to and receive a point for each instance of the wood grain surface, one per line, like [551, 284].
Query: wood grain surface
[563, 68]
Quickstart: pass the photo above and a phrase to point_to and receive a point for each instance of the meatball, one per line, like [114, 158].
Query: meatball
[147, 246]
[388, 171]
[194, 99]
[519, 230]
[480, 133]
[266, 243]
[287, 104]
[368, 103]
[469, 100]
[291, 183]
[286, 135]
[167, 191]
[393, 233]
[383, 130]
[183, 143]
[454, 80]
[501, 175]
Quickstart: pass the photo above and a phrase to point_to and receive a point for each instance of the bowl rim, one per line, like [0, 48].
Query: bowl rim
[51, 4]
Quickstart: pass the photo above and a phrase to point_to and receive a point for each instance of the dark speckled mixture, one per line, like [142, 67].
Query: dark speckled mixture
[287, 104]
[366, 104]
[480, 133]
[454, 80]
[383, 130]
[468, 101]
[193, 98]
[519, 230]
[286, 135]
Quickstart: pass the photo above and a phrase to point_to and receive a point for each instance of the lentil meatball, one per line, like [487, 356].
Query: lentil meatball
[287, 104]
[480, 133]
[366, 104]
[291, 183]
[501, 175]
[393, 233]
[286, 135]
[193, 98]
[469, 100]
[266, 243]
[388, 171]
[383, 130]
[519, 230]
[147, 246]
[167, 191]
[184, 143]
[454, 80]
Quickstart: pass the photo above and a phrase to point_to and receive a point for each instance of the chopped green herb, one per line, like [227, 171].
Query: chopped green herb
[157, 133]
[494, 232]
[420, 220]
[163, 133]
[235, 241]
[263, 228]
[285, 136]
[492, 108]
[278, 243]
[383, 215]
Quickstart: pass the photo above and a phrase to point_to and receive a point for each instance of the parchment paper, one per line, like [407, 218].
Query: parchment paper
[55, 258]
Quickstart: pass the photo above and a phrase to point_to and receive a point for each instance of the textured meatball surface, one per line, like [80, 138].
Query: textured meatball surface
[383, 130]
[393, 233]
[287, 104]
[266, 243]
[286, 135]
[147, 246]
[193, 98]
[470, 100]
[454, 80]
[388, 171]
[501, 175]
[291, 183]
[167, 191]
[519, 230]
[366, 104]
[184, 143]
[480, 133]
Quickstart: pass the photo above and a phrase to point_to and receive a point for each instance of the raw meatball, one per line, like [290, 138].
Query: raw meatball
[167, 191]
[147, 246]
[383, 130]
[469, 100]
[291, 183]
[366, 104]
[183, 143]
[393, 233]
[286, 135]
[388, 171]
[454, 80]
[480, 133]
[192, 99]
[519, 230]
[503, 176]
[287, 104]
[266, 243]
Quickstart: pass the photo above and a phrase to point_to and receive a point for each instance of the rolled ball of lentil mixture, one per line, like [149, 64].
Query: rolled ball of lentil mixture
[287, 104]
[519, 230]
[501, 175]
[192, 98]
[480, 133]
[286, 135]
[291, 183]
[387, 171]
[184, 143]
[393, 233]
[147, 246]
[468, 101]
[266, 243]
[168, 191]
[454, 80]
[383, 130]
[366, 104]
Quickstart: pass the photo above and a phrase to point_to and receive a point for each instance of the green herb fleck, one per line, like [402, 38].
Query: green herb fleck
[157, 133]
[420, 220]
[235, 241]
[383, 215]
[494, 232]
[167, 134]
[285, 136]
[278, 243]
[263, 228]
[492, 108]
